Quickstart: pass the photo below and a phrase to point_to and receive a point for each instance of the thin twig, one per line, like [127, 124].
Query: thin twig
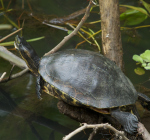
[8, 5]
[29, 5]
[7, 55]
[80, 34]
[75, 30]
[10, 35]
[56, 26]
[22, 4]
[143, 131]
[19, 18]
[92, 134]
[11, 71]
[15, 75]
[2, 4]
[4, 53]
[2, 76]
[119, 134]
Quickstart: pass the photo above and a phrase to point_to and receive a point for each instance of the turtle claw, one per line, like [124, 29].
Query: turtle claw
[39, 96]
[131, 124]
[127, 120]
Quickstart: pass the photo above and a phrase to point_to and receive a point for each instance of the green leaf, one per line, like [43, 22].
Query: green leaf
[146, 5]
[137, 58]
[137, 9]
[139, 71]
[10, 43]
[5, 26]
[146, 56]
[147, 67]
[144, 65]
[133, 17]
[70, 31]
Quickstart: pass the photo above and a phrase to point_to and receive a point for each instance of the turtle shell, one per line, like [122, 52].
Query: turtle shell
[88, 77]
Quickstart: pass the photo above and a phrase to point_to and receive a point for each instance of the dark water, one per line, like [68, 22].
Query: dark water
[22, 115]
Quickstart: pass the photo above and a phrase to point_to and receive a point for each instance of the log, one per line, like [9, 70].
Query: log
[110, 26]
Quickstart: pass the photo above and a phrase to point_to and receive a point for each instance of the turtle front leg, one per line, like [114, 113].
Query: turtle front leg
[38, 86]
[126, 119]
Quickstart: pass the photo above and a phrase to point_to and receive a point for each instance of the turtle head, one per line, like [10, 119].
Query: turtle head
[27, 53]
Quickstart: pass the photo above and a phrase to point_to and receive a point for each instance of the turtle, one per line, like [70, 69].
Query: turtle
[84, 78]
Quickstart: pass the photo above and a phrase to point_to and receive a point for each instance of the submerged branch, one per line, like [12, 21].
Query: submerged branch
[62, 20]
[2, 76]
[14, 75]
[10, 35]
[7, 55]
[74, 32]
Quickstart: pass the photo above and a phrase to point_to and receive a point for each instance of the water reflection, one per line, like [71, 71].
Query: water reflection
[9, 109]
[22, 115]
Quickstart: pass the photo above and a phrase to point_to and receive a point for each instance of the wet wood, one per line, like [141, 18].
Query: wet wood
[62, 20]
[75, 31]
[30, 116]
[143, 131]
[111, 35]
[79, 113]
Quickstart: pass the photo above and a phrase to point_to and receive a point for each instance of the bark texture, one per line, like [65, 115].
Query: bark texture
[111, 35]
[110, 26]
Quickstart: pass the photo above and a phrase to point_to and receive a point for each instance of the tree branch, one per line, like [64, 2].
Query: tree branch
[142, 131]
[74, 32]
[14, 75]
[2, 76]
[10, 35]
[7, 55]
[92, 134]
[119, 134]
[111, 35]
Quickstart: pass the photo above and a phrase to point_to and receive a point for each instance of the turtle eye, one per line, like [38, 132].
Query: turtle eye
[18, 40]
